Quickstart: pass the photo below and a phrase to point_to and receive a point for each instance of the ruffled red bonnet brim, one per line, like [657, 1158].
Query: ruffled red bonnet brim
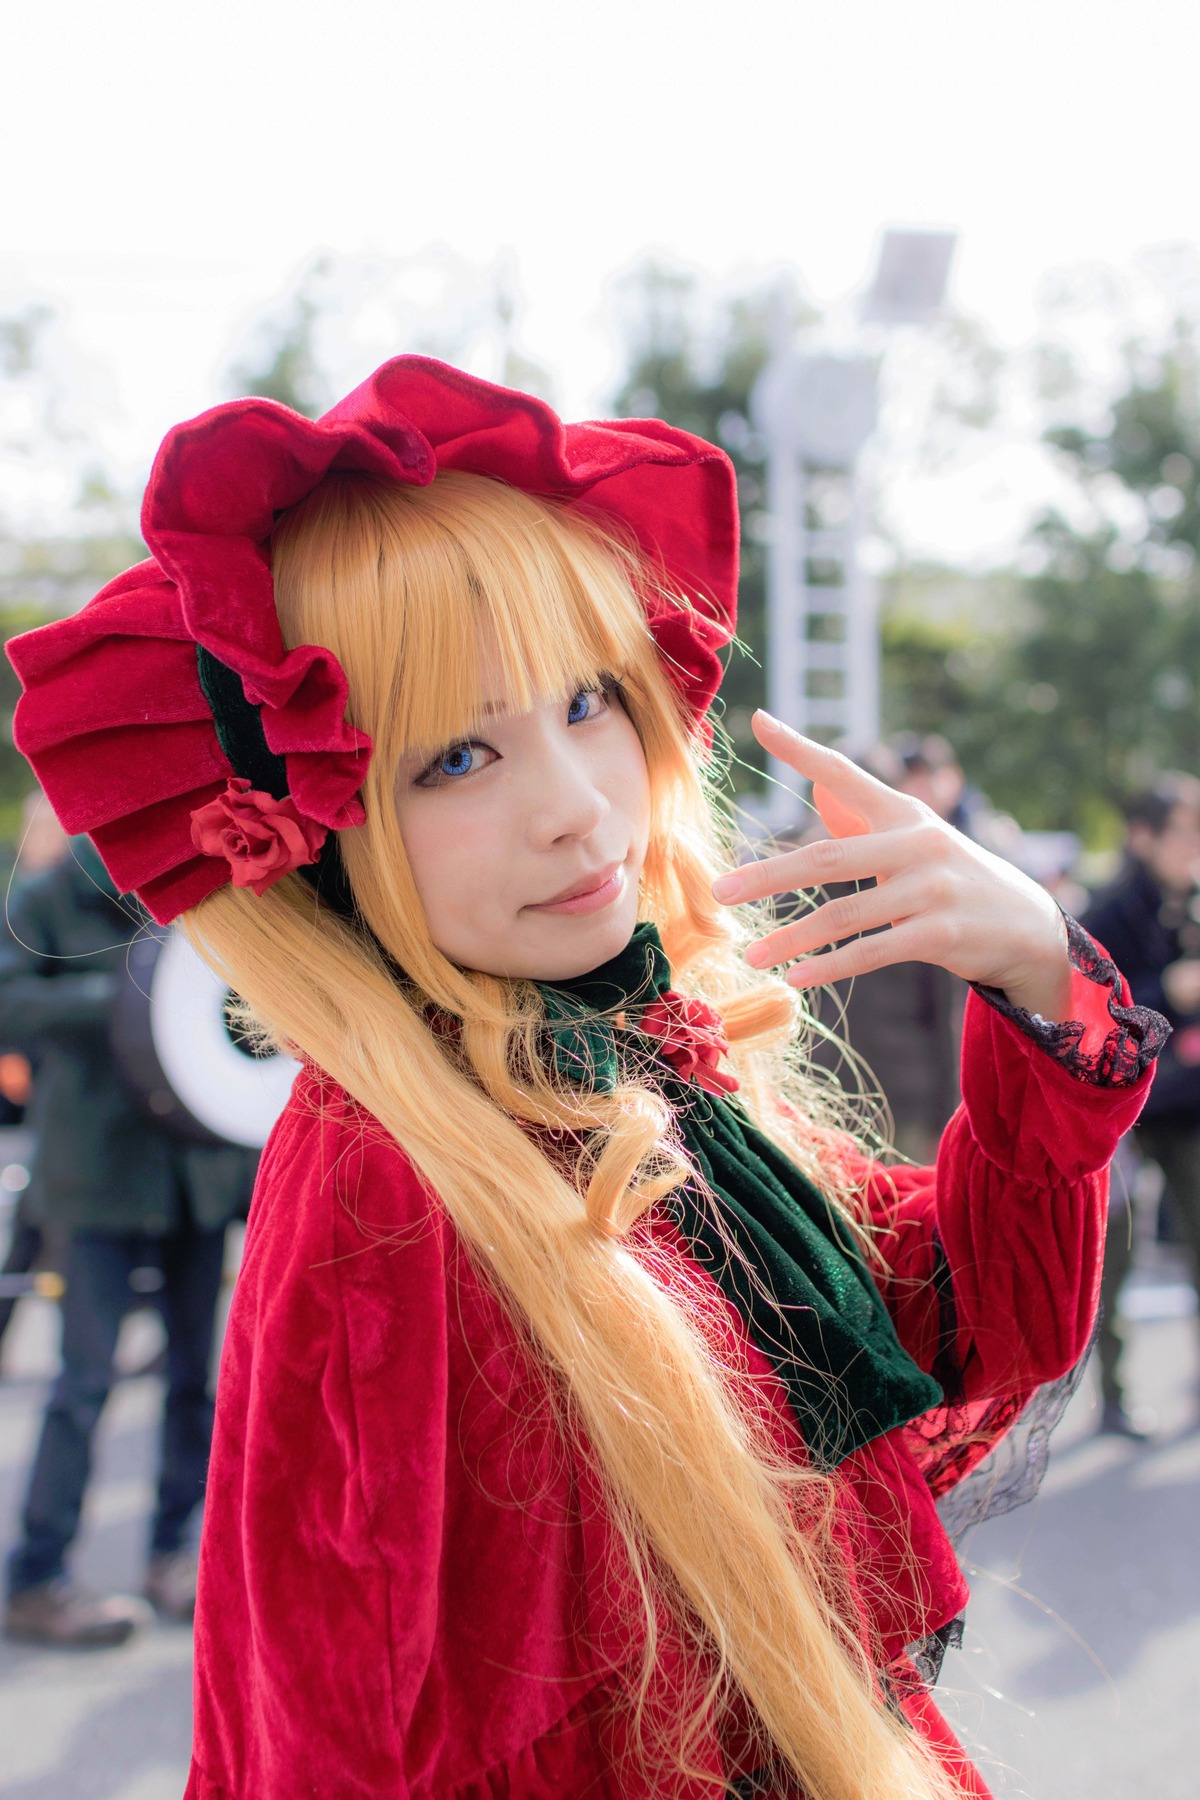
[113, 718]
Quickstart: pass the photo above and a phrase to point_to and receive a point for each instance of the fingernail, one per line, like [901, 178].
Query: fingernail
[768, 718]
[757, 955]
[727, 887]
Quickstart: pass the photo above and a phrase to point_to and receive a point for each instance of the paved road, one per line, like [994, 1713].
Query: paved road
[114, 1724]
[1078, 1679]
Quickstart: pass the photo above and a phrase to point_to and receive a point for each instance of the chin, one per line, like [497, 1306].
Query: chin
[572, 946]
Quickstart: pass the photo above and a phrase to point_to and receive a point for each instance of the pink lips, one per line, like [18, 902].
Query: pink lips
[587, 900]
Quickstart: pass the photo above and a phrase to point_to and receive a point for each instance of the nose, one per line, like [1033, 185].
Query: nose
[566, 801]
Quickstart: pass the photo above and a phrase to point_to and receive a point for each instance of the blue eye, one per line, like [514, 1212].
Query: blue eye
[585, 705]
[456, 762]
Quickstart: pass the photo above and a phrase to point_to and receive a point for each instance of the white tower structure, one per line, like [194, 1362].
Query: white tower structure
[816, 410]
[816, 406]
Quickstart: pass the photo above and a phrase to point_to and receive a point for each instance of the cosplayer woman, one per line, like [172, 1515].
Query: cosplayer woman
[587, 1391]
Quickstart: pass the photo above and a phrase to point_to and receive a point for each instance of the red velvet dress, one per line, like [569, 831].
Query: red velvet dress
[407, 1585]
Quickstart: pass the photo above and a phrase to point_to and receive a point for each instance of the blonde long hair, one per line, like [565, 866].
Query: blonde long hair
[727, 1540]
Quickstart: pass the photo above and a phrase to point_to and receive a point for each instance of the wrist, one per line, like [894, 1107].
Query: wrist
[1047, 999]
[1043, 988]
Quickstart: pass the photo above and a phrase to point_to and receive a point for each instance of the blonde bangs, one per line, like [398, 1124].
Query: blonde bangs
[477, 581]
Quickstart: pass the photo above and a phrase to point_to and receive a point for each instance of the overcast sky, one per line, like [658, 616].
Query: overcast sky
[169, 167]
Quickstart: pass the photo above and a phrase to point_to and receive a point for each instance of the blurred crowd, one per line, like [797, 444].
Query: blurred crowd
[904, 1023]
[120, 1208]
[119, 1204]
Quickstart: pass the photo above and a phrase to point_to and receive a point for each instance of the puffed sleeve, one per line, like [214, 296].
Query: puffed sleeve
[318, 1592]
[993, 1256]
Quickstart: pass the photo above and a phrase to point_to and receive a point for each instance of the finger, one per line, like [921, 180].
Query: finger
[876, 854]
[906, 942]
[870, 799]
[837, 920]
[836, 816]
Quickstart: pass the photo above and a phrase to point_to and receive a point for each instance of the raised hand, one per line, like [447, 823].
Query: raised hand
[945, 899]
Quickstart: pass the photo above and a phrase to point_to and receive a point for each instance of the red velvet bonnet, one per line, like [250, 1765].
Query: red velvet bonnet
[114, 718]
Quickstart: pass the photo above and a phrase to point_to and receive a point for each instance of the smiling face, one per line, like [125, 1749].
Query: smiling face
[517, 793]
[526, 838]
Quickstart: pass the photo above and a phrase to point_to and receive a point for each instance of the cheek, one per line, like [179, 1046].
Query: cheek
[449, 850]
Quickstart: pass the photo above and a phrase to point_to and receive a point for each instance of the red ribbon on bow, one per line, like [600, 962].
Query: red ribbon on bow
[692, 1038]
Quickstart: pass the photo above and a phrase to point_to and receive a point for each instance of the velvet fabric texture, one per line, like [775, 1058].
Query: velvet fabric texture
[408, 1585]
[795, 1276]
[114, 718]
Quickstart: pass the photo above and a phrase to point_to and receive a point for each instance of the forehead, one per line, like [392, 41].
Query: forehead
[503, 681]
[496, 653]
[492, 685]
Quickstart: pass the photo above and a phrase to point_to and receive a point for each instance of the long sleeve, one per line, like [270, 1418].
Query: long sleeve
[992, 1263]
[994, 1255]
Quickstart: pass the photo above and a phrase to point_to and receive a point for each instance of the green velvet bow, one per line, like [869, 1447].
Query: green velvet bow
[798, 1281]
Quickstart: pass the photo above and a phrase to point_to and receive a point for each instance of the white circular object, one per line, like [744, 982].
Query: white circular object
[237, 1096]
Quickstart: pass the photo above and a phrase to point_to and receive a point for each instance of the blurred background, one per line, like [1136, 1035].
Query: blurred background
[931, 275]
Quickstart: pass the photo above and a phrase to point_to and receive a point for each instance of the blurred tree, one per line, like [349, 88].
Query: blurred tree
[692, 355]
[1148, 444]
[933, 672]
[20, 336]
[940, 384]
[1073, 720]
[1100, 683]
[16, 777]
[1066, 685]
[343, 315]
[45, 573]
[279, 360]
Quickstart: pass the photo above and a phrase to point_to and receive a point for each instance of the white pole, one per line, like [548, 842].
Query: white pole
[785, 616]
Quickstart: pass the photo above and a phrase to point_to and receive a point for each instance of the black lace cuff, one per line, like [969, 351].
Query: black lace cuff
[1134, 1041]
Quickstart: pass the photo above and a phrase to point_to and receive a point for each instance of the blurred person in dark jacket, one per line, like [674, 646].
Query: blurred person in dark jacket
[1149, 922]
[128, 1196]
[43, 845]
[26, 1242]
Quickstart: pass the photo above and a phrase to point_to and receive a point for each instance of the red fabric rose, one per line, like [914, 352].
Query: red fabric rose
[693, 1040]
[261, 838]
